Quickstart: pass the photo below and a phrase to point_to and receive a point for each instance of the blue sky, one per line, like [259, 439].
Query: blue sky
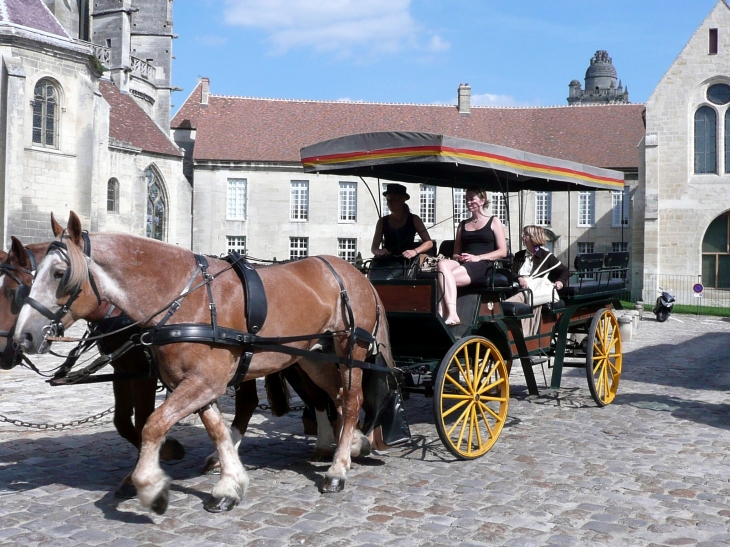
[511, 52]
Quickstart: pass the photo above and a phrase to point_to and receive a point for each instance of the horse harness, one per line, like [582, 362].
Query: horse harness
[56, 326]
[21, 293]
[163, 334]
[256, 312]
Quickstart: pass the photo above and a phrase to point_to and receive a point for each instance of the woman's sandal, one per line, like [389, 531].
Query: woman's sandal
[452, 323]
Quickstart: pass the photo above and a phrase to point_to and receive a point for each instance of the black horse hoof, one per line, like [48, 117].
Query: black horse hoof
[218, 505]
[332, 485]
[126, 491]
[159, 505]
[172, 450]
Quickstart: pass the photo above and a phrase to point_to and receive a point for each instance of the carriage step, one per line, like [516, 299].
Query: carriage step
[538, 360]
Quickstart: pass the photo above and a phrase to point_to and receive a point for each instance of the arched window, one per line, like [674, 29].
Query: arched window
[112, 196]
[156, 206]
[716, 253]
[45, 114]
[705, 140]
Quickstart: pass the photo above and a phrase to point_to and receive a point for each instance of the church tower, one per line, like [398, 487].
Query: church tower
[600, 83]
[133, 38]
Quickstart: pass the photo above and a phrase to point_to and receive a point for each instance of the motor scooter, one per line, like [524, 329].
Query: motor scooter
[664, 304]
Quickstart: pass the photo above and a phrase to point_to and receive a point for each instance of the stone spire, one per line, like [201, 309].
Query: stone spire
[600, 82]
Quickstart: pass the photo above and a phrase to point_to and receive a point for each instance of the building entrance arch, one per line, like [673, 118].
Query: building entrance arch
[716, 253]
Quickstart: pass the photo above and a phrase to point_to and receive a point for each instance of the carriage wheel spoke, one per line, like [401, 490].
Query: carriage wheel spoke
[458, 385]
[482, 406]
[457, 406]
[487, 387]
[483, 366]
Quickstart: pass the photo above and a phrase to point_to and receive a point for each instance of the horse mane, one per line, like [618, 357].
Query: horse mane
[78, 268]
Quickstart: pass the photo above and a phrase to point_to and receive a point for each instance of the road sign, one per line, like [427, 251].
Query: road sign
[698, 288]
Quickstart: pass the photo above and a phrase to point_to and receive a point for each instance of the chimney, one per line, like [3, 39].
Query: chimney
[205, 91]
[464, 99]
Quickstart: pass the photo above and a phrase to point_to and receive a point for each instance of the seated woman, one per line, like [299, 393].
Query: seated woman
[479, 241]
[526, 262]
[397, 232]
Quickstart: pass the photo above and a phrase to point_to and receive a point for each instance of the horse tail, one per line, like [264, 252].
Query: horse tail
[278, 394]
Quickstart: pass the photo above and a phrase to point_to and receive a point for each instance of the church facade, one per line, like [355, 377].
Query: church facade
[685, 165]
[83, 122]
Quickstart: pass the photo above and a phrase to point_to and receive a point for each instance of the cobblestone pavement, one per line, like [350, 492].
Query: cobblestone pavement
[650, 469]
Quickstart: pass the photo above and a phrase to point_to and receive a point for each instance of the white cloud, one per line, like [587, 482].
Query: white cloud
[338, 26]
[438, 44]
[490, 99]
[209, 40]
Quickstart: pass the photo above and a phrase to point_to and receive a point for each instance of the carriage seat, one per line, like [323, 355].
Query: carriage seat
[514, 309]
[595, 273]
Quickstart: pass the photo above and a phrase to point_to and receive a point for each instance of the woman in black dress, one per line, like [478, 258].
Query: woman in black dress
[397, 232]
[479, 240]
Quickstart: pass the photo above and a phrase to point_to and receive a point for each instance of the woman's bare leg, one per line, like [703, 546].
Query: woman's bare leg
[454, 275]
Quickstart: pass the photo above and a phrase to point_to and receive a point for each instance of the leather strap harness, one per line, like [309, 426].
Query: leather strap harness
[256, 311]
[56, 326]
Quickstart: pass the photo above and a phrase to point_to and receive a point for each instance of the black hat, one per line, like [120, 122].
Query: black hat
[396, 190]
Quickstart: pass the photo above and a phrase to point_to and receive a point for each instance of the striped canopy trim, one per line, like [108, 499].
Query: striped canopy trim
[470, 156]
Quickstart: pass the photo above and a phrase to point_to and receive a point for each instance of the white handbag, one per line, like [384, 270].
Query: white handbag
[542, 288]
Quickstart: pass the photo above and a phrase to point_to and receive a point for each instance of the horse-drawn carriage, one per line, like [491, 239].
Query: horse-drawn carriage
[334, 328]
[466, 367]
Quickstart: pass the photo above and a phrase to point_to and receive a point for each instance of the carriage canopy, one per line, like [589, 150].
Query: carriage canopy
[441, 160]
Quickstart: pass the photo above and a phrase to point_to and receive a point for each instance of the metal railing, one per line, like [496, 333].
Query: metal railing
[683, 289]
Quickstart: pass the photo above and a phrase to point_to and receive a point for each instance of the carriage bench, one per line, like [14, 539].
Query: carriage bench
[597, 273]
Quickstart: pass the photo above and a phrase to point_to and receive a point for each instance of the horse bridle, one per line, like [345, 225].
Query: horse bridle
[55, 328]
[21, 293]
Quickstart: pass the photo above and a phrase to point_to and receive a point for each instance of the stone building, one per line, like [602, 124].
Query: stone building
[685, 165]
[600, 83]
[251, 191]
[76, 136]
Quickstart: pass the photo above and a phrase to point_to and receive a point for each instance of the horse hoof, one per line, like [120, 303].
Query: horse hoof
[218, 505]
[172, 450]
[212, 467]
[126, 491]
[159, 504]
[332, 485]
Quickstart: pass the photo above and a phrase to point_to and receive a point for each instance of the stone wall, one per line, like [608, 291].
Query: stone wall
[39, 180]
[677, 204]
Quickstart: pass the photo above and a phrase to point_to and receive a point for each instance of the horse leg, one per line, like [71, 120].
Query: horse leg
[233, 483]
[247, 400]
[153, 485]
[328, 430]
[334, 479]
[123, 411]
[349, 399]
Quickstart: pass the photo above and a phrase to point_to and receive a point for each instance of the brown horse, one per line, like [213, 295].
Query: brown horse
[143, 277]
[134, 399]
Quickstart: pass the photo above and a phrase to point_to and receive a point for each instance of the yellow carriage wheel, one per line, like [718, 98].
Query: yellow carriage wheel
[471, 396]
[604, 357]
